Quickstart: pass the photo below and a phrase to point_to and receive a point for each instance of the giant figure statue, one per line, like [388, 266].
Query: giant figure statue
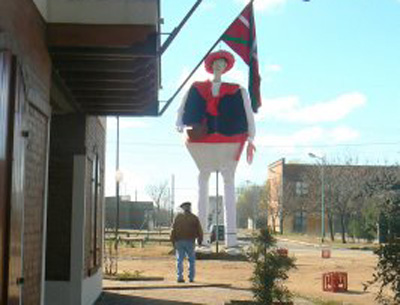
[219, 121]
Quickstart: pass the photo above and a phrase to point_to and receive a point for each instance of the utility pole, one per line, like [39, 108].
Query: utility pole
[217, 212]
[323, 161]
[117, 181]
[172, 197]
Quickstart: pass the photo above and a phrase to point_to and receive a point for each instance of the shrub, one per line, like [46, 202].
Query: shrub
[270, 270]
[387, 274]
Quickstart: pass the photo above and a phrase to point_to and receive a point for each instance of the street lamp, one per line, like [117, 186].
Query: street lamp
[322, 159]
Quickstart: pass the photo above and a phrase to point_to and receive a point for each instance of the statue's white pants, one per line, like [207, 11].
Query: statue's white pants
[211, 157]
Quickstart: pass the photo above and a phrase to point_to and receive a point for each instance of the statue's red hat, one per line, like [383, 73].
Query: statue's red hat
[230, 60]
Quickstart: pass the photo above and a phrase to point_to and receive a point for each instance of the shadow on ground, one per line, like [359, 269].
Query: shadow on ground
[355, 292]
[109, 298]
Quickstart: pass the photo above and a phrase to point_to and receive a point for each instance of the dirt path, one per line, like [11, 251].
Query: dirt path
[305, 281]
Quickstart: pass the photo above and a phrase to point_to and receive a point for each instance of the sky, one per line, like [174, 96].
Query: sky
[330, 85]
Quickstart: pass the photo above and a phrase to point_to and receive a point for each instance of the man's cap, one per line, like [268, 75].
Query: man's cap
[230, 60]
[186, 203]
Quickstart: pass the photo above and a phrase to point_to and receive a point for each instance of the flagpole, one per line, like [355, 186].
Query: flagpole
[197, 66]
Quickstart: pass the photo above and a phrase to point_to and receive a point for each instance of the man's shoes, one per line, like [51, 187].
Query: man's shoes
[191, 280]
[180, 280]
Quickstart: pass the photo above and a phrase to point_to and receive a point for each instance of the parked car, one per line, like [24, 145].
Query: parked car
[221, 233]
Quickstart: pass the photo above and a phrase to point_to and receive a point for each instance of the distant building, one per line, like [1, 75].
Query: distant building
[290, 190]
[133, 215]
[284, 178]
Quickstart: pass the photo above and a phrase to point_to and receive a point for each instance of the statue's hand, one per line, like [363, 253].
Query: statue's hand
[250, 152]
[179, 128]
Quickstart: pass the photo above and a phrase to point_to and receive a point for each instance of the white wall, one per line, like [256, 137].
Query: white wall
[57, 293]
[102, 11]
[42, 7]
[60, 293]
[92, 288]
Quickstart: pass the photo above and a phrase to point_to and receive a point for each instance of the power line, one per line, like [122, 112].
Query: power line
[149, 144]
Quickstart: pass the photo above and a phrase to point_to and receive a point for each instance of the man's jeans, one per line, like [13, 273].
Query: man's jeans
[184, 248]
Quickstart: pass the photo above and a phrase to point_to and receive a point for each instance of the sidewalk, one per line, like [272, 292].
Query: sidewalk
[171, 293]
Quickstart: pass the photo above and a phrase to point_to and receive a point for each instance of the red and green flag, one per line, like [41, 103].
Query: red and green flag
[241, 37]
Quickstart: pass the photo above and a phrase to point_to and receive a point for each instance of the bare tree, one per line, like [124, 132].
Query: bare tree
[248, 204]
[159, 193]
[269, 202]
[346, 188]
[343, 185]
[384, 188]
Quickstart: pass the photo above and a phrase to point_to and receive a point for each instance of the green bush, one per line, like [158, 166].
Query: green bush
[270, 270]
[387, 272]
[359, 228]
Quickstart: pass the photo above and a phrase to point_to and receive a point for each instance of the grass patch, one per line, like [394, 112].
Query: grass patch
[132, 276]
[221, 256]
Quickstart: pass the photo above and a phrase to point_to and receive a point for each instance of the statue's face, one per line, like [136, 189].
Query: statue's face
[219, 65]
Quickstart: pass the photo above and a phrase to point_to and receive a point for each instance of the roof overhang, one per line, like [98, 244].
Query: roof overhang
[107, 64]
[99, 12]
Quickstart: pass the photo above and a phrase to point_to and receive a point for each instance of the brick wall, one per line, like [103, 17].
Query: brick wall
[71, 135]
[95, 144]
[66, 139]
[22, 31]
[35, 171]
[24, 25]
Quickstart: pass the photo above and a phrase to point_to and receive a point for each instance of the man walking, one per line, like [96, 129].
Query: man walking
[185, 230]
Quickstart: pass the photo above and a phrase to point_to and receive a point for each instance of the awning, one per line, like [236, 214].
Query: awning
[107, 69]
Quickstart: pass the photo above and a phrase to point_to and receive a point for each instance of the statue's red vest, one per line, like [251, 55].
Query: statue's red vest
[224, 114]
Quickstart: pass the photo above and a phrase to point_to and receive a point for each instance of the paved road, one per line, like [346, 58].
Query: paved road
[298, 246]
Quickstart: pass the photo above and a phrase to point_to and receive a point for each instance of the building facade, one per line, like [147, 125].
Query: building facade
[295, 200]
[64, 66]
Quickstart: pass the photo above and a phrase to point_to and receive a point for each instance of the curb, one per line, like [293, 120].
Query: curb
[167, 286]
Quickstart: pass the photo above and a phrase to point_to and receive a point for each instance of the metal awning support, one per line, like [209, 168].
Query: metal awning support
[169, 101]
[178, 28]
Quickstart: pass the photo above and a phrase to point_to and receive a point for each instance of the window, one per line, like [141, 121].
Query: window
[300, 222]
[301, 188]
